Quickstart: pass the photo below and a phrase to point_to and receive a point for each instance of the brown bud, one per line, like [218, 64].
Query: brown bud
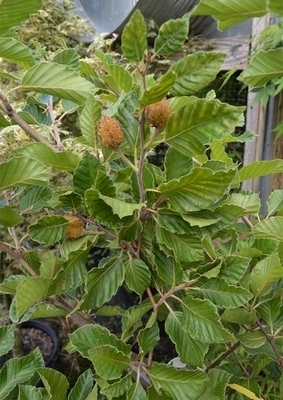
[110, 132]
[75, 228]
[157, 114]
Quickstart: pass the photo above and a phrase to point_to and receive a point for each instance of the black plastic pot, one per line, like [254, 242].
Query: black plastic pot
[37, 324]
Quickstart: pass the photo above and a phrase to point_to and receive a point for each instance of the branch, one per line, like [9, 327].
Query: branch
[272, 344]
[18, 257]
[223, 356]
[8, 109]
[54, 123]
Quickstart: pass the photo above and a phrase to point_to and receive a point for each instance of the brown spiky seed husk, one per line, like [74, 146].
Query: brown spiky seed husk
[157, 114]
[110, 132]
[75, 228]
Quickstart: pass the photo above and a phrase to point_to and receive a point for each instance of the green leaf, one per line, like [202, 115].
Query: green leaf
[263, 67]
[121, 76]
[264, 274]
[131, 320]
[269, 228]
[201, 321]
[8, 217]
[190, 351]
[64, 160]
[49, 229]
[14, 51]
[126, 117]
[12, 13]
[216, 386]
[167, 268]
[148, 339]
[275, 202]
[176, 164]
[137, 275]
[35, 115]
[249, 201]
[179, 384]
[75, 269]
[86, 173]
[137, 392]
[232, 12]
[89, 118]
[109, 362]
[18, 370]
[27, 392]
[55, 383]
[199, 122]
[196, 190]
[195, 71]
[260, 168]
[252, 339]
[234, 269]
[7, 337]
[89, 337]
[159, 90]
[35, 198]
[186, 248]
[121, 208]
[67, 57]
[171, 36]
[21, 171]
[239, 316]
[134, 41]
[109, 277]
[58, 80]
[223, 295]
[118, 388]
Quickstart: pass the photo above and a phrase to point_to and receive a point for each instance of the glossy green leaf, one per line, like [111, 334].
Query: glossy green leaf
[234, 269]
[55, 383]
[263, 67]
[252, 339]
[176, 164]
[148, 339]
[179, 384]
[167, 268]
[121, 208]
[88, 337]
[16, 52]
[109, 362]
[190, 351]
[75, 269]
[271, 313]
[49, 229]
[269, 228]
[215, 388]
[159, 90]
[18, 370]
[264, 274]
[101, 211]
[27, 392]
[239, 316]
[43, 310]
[246, 200]
[64, 160]
[195, 71]
[117, 388]
[21, 171]
[67, 57]
[35, 115]
[232, 12]
[201, 321]
[275, 202]
[109, 277]
[89, 118]
[3, 121]
[197, 190]
[131, 232]
[7, 337]
[223, 295]
[186, 248]
[137, 392]
[86, 173]
[199, 122]
[57, 80]
[126, 117]
[137, 275]
[34, 198]
[12, 12]
[9, 217]
[132, 319]
[171, 36]
[134, 41]
[121, 76]
[260, 168]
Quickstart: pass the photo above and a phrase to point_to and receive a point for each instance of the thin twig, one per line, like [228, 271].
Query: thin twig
[223, 356]
[247, 222]
[8, 109]
[18, 257]
[55, 124]
[272, 344]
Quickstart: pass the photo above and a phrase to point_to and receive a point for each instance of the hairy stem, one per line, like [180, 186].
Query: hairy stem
[223, 356]
[272, 344]
[55, 124]
[19, 257]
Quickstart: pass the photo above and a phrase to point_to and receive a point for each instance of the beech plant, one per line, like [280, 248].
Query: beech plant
[184, 237]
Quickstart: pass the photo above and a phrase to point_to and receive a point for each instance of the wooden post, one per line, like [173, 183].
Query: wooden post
[277, 179]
